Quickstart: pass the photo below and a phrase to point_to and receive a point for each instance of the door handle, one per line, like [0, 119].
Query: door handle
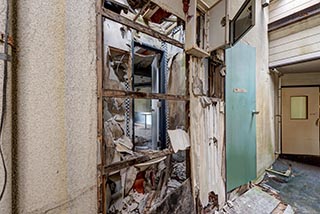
[255, 112]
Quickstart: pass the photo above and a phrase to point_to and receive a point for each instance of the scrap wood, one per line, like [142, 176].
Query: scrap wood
[134, 160]
[280, 208]
[284, 174]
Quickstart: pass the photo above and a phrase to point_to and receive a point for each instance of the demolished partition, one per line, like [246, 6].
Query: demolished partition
[156, 100]
[142, 100]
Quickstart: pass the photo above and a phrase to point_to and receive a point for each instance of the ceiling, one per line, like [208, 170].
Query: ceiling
[303, 67]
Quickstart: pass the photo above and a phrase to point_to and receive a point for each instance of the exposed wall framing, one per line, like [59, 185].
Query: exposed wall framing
[105, 165]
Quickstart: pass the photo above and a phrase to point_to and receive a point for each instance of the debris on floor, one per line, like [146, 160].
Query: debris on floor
[287, 173]
[144, 187]
[253, 201]
[300, 190]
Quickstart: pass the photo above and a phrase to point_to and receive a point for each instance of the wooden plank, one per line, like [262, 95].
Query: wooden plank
[100, 67]
[143, 95]
[139, 27]
[136, 160]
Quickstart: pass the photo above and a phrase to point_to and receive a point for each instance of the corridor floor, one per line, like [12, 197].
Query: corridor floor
[302, 189]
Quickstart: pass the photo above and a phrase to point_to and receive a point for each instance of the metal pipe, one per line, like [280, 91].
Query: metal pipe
[280, 114]
[4, 98]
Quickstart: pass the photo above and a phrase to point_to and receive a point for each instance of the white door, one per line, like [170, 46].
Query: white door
[300, 121]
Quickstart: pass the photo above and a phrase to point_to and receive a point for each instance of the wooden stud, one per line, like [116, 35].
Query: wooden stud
[135, 160]
[139, 27]
[100, 67]
[143, 95]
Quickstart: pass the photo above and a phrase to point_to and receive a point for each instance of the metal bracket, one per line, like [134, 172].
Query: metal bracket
[5, 57]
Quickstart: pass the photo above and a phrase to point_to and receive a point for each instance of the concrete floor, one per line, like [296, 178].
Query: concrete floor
[302, 189]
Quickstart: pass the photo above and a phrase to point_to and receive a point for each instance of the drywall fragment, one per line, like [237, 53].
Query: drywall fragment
[124, 141]
[197, 86]
[128, 177]
[145, 165]
[178, 201]
[121, 148]
[179, 139]
[119, 118]
[114, 128]
[179, 172]
[205, 102]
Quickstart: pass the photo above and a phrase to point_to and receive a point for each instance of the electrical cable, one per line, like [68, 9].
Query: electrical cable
[4, 98]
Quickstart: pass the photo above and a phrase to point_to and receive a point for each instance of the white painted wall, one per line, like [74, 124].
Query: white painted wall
[296, 42]
[281, 8]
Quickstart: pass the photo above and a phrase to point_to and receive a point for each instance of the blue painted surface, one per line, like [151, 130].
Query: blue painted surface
[240, 120]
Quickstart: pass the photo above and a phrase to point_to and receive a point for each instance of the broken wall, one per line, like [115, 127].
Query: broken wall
[207, 138]
[146, 186]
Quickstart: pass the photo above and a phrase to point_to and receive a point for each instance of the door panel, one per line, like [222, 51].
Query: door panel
[300, 128]
[240, 115]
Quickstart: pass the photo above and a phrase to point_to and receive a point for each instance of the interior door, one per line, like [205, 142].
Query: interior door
[240, 115]
[300, 120]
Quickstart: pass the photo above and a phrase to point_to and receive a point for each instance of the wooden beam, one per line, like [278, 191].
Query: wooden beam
[143, 95]
[136, 160]
[101, 180]
[139, 27]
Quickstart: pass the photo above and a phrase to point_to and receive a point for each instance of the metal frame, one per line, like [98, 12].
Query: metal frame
[234, 40]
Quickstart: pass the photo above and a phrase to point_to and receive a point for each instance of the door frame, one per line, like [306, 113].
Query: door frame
[162, 89]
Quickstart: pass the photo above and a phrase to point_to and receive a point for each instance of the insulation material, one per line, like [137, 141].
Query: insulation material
[207, 143]
[179, 140]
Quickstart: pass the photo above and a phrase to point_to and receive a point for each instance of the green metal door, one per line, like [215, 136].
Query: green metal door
[240, 115]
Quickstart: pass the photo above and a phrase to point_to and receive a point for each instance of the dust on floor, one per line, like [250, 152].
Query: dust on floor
[302, 189]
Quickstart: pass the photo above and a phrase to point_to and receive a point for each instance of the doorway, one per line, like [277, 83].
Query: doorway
[300, 121]
[149, 120]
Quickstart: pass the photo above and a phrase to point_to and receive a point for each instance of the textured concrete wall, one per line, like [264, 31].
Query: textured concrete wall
[56, 107]
[258, 38]
[81, 105]
[5, 141]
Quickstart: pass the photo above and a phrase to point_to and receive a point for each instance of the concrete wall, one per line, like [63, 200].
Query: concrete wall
[258, 38]
[55, 113]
